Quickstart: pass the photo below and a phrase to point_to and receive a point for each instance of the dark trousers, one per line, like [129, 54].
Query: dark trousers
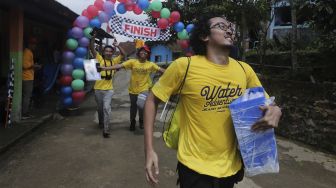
[134, 108]
[188, 178]
[27, 89]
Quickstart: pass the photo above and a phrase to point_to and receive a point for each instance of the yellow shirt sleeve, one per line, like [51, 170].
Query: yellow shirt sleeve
[155, 67]
[117, 59]
[171, 80]
[128, 64]
[252, 79]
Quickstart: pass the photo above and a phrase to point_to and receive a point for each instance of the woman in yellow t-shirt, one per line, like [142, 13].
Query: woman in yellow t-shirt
[140, 80]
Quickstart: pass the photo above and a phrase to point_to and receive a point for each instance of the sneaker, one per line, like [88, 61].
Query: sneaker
[132, 126]
[106, 135]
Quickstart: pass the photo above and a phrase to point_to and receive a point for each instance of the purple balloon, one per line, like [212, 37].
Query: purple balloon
[84, 42]
[82, 21]
[81, 52]
[77, 32]
[108, 7]
[103, 17]
[68, 56]
[66, 69]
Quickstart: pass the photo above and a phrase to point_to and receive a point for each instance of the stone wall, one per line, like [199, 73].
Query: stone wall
[309, 111]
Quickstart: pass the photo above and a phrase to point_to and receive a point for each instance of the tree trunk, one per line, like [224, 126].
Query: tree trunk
[293, 36]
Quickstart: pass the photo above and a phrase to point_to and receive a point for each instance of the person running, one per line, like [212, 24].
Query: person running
[207, 147]
[140, 80]
[104, 88]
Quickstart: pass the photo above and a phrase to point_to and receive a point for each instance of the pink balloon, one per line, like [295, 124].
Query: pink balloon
[99, 4]
[93, 11]
[175, 16]
[137, 10]
[156, 14]
[163, 23]
[122, 1]
[113, 1]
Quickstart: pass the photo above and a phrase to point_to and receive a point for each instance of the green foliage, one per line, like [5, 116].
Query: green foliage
[323, 16]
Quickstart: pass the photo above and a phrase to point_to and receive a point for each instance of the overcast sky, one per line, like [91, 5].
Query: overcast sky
[79, 5]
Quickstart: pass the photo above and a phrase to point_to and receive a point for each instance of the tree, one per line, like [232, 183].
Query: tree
[293, 35]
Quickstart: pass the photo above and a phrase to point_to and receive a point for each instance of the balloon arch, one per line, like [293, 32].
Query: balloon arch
[72, 69]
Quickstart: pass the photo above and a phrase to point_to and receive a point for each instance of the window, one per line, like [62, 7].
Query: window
[157, 58]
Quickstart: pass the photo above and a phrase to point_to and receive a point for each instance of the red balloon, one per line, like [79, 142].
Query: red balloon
[156, 14]
[99, 4]
[93, 11]
[129, 7]
[122, 1]
[137, 10]
[175, 16]
[113, 1]
[189, 54]
[184, 44]
[78, 96]
[163, 23]
[66, 80]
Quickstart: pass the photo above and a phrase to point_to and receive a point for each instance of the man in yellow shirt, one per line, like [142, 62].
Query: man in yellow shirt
[28, 67]
[104, 87]
[207, 148]
[140, 80]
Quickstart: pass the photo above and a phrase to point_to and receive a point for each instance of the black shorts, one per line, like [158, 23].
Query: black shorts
[188, 178]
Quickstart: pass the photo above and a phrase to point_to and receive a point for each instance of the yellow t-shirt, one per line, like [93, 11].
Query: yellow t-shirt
[140, 77]
[106, 84]
[207, 141]
[28, 61]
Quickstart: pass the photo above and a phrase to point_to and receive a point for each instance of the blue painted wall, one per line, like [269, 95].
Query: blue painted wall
[163, 51]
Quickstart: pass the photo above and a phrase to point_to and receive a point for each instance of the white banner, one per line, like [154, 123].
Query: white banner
[138, 29]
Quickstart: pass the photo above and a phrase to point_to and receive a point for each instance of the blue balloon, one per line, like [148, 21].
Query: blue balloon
[78, 63]
[81, 52]
[190, 27]
[143, 4]
[69, 34]
[121, 8]
[95, 23]
[178, 27]
[67, 101]
[66, 91]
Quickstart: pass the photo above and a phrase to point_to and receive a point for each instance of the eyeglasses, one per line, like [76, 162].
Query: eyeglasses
[143, 52]
[222, 26]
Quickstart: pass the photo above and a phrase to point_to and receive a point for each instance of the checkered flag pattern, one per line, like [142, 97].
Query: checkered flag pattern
[10, 94]
[116, 25]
